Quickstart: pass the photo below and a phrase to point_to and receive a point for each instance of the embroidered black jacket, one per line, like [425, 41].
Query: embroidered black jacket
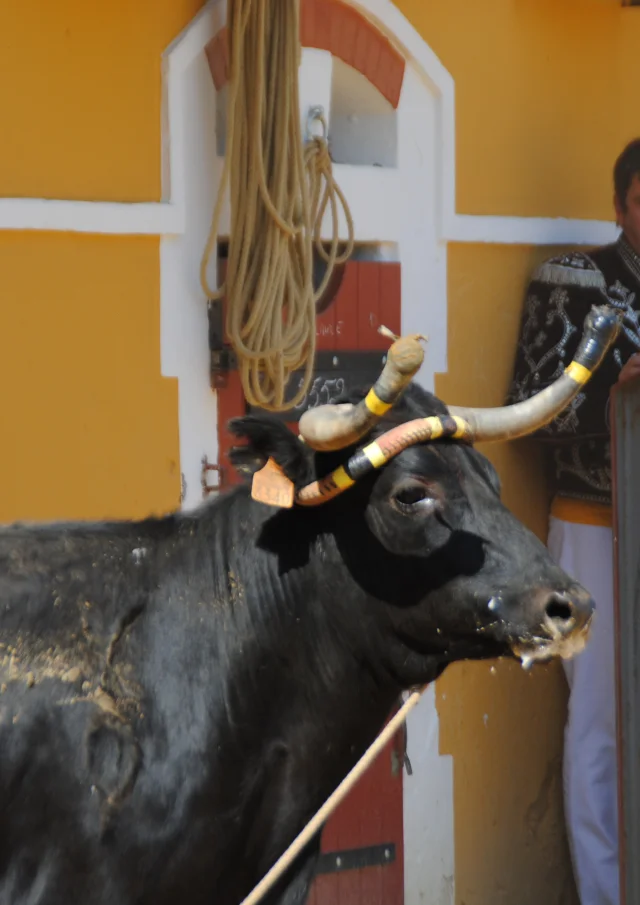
[559, 296]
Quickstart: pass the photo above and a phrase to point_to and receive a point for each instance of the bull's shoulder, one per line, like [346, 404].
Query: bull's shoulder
[66, 593]
[70, 594]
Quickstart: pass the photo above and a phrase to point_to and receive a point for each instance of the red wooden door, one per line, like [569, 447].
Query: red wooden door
[362, 859]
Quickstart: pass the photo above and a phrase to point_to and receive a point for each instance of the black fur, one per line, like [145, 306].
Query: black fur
[179, 695]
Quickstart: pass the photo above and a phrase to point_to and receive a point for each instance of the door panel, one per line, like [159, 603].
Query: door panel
[368, 827]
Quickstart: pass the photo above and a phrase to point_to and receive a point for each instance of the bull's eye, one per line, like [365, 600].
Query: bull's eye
[414, 499]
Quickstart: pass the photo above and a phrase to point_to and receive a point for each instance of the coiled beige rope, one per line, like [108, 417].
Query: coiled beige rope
[279, 193]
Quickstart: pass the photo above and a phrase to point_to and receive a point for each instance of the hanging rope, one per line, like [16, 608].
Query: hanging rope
[279, 192]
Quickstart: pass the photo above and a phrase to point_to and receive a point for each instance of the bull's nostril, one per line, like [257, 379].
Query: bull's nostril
[559, 610]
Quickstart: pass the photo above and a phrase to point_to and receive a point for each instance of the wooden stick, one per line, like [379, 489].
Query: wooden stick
[333, 801]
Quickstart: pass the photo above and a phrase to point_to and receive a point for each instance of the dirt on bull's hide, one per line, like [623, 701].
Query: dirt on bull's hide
[89, 673]
[112, 702]
[30, 660]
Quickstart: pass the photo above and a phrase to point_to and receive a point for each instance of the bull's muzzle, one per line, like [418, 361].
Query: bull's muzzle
[561, 623]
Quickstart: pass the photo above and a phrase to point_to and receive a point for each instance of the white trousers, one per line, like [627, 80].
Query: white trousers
[590, 760]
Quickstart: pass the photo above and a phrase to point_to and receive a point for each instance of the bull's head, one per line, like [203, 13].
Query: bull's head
[422, 527]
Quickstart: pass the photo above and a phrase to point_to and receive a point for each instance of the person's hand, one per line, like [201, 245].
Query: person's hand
[631, 369]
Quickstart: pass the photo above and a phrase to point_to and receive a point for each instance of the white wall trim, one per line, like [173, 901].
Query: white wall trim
[168, 218]
[417, 53]
[192, 40]
[102, 217]
[529, 230]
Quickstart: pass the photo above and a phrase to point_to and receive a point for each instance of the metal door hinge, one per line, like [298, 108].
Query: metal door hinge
[356, 858]
[207, 467]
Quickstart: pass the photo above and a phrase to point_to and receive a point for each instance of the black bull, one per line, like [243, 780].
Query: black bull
[179, 695]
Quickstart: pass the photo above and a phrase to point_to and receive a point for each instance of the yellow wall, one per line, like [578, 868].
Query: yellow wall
[502, 726]
[80, 96]
[89, 427]
[545, 95]
[545, 98]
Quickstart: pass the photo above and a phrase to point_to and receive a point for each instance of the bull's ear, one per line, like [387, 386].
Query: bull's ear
[268, 438]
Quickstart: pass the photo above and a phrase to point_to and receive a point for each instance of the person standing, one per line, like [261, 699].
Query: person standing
[560, 294]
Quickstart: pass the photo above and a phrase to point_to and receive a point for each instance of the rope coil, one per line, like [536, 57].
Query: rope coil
[279, 192]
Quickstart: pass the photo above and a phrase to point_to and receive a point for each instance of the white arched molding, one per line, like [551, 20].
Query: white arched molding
[406, 206]
[403, 206]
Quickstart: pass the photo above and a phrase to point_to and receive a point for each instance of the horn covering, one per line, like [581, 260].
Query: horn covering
[509, 422]
[332, 427]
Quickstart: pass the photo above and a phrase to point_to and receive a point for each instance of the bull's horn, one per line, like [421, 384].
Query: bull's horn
[509, 422]
[331, 427]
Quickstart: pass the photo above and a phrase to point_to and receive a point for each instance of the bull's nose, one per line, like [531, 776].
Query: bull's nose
[564, 612]
[557, 623]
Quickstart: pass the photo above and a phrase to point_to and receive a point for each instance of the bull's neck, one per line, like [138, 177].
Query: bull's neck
[310, 627]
